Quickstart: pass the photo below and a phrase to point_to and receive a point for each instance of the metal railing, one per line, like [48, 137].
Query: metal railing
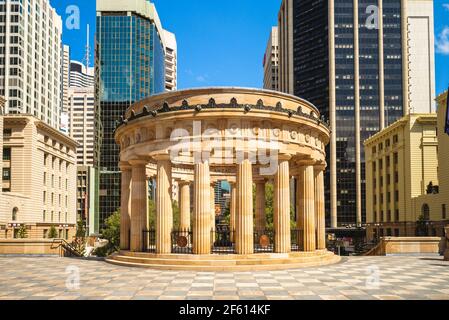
[297, 244]
[149, 241]
[264, 241]
[223, 241]
[181, 241]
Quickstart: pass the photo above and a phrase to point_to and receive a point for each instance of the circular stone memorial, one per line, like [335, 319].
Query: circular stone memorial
[197, 138]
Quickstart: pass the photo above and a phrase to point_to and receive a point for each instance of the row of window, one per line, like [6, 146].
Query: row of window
[380, 147]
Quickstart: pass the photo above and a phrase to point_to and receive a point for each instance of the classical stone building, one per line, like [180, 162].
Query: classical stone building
[243, 136]
[38, 179]
[406, 165]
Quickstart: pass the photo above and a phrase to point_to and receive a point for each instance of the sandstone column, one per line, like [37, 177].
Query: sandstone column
[139, 203]
[320, 207]
[233, 209]
[245, 223]
[201, 210]
[300, 209]
[125, 208]
[212, 207]
[260, 206]
[281, 202]
[164, 210]
[307, 204]
[184, 206]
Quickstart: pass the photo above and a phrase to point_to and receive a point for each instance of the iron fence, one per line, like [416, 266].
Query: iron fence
[297, 244]
[182, 241]
[264, 241]
[223, 241]
[149, 241]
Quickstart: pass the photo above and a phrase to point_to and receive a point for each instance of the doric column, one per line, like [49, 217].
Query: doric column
[245, 223]
[139, 204]
[212, 206]
[164, 210]
[300, 209]
[201, 209]
[125, 207]
[320, 208]
[260, 205]
[281, 202]
[307, 204]
[184, 188]
[233, 209]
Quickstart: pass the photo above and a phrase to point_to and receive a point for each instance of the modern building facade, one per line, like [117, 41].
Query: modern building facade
[359, 78]
[271, 61]
[401, 163]
[171, 61]
[31, 59]
[130, 65]
[81, 76]
[38, 179]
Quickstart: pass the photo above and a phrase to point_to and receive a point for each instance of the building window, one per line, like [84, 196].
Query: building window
[396, 232]
[60, 234]
[426, 212]
[395, 139]
[6, 174]
[15, 211]
[44, 216]
[395, 158]
[396, 215]
[7, 133]
[67, 234]
[6, 154]
[45, 233]
[443, 208]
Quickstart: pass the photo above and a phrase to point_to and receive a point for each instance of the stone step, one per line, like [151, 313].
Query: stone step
[216, 263]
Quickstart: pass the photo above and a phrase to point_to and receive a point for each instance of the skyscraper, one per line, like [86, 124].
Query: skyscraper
[271, 62]
[31, 59]
[81, 76]
[359, 78]
[130, 65]
[171, 61]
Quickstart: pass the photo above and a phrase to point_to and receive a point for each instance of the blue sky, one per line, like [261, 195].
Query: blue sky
[222, 43]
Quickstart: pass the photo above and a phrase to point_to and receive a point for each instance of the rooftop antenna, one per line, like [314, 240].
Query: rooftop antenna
[87, 55]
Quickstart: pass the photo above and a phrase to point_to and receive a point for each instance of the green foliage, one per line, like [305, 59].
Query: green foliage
[152, 214]
[80, 229]
[52, 234]
[22, 232]
[111, 233]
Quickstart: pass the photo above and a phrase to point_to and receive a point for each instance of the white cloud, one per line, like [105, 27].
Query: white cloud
[200, 78]
[442, 41]
[446, 6]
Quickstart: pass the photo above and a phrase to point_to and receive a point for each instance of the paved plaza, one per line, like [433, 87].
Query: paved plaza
[366, 278]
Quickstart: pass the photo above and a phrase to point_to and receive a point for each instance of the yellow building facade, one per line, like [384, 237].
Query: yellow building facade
[405, 162]
[38, 179]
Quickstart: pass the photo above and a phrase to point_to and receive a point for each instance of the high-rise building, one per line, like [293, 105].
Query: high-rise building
[31, 59]
[81, 76]
[171, 61]
[65, 77]
[130, 66]
[271, 62]
[359, 78]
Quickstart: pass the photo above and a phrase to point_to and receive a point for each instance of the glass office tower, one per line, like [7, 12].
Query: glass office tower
[131, 66]
[354, 76]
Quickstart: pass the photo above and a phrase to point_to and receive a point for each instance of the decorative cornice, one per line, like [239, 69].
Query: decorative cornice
[247, 108]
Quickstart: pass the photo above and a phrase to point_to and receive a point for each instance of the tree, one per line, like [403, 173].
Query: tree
[22, 232]
[80, 229]
[52, 234]
[111, 232]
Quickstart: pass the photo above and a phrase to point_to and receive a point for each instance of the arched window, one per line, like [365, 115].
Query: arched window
[15, 211]
[426, 212]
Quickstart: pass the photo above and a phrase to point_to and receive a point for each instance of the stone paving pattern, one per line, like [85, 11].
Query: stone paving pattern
[408, 278]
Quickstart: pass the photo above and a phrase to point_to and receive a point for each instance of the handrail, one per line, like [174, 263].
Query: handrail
[65, 247]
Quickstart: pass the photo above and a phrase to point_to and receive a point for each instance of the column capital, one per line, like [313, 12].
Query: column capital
[320, 167]
[161, 156]
[306, 163]
[284, 157]
[125, 166]
[183, 182]
[138, 162]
